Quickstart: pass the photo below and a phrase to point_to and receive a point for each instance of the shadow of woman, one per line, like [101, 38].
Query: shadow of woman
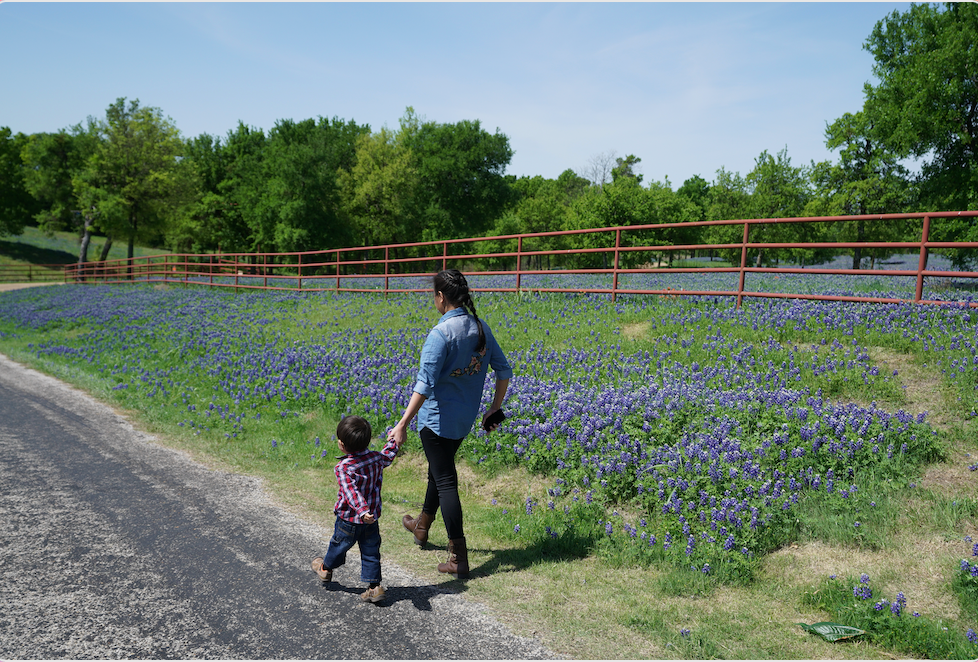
[570, 546]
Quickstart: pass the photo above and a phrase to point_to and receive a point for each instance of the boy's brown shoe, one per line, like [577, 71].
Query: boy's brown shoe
[325, 574]
[375, 594]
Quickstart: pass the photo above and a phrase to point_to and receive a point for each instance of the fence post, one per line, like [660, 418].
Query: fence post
[444, 255]
[300, 272]
[614, 280]
[387, 257]
[743, 265]
[519, 261]
[922, 263]
[337, 271]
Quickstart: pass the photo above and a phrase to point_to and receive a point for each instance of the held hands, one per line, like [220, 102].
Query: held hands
[398, 435]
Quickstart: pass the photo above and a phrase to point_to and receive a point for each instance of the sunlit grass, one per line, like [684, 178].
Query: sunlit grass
[549, 572]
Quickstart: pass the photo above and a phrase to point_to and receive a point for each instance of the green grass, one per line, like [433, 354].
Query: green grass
[586, 595]
[36, 247]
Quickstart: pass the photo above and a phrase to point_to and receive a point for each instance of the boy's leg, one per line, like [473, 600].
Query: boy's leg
[344, 537]
[369, 543]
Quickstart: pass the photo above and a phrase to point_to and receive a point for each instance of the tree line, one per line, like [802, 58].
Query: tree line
[328, 183]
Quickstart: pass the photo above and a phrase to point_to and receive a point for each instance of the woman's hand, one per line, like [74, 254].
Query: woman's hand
[489, 413]
[397, 434]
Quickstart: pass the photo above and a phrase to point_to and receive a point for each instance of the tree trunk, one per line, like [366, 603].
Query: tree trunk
[85, 240]
[133, 224]
[105, 249]
[857, 252]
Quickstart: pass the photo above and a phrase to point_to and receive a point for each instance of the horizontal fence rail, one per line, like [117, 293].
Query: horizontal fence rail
[614, 259]
[33, 273]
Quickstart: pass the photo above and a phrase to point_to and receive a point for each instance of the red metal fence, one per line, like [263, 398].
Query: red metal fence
[408, 267]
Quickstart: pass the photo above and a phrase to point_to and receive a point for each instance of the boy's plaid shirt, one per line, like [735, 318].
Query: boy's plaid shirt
[359, 477]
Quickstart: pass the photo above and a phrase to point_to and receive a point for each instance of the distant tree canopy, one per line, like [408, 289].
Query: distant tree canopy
[327, 183]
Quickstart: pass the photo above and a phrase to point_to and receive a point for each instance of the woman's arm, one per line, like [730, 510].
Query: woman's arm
[399, 432]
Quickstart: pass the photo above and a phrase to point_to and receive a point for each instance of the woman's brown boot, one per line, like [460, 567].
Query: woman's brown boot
[419, 527]
[458, 559]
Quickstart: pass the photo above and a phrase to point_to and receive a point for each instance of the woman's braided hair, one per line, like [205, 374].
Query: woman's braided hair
[452, 284]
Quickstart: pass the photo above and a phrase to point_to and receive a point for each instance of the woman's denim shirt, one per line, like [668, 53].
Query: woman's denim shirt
[452, 374]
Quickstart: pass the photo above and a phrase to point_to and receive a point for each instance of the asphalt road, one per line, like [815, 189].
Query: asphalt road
[112, 546]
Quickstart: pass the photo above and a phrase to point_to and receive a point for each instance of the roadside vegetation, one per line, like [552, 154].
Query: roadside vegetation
[676, 479]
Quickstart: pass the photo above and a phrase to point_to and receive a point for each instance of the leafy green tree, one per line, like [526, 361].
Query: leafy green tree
[868, 179]
[17, 206]
[300, 205]
[461, 168]
[624, 202]
[696, 190]
[728, 199]
[572, 186]
[379, 191]
[52, 161]
[131, 176]
[779, 190]
[235, 201]
[625, 167]
[926, 102]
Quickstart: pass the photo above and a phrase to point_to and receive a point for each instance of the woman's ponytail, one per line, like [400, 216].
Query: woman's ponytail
[452, 284]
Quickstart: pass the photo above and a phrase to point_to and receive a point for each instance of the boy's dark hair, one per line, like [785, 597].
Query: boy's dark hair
[355, 433]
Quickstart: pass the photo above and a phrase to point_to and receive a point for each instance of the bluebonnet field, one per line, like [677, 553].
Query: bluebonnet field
[677, 430]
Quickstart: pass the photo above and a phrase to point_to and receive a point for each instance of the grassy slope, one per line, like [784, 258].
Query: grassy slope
[35, 247]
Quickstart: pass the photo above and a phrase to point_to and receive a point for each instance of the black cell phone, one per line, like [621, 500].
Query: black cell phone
[497, 417]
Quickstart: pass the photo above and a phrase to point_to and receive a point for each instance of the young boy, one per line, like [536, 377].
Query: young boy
[359, 474]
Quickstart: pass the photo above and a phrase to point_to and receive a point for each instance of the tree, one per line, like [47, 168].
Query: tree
[52, 161]
[728, 199]
[599, 167]
[131, 175]
[926, 102]
[625, 167]
[17, 206]
[300, 206]
[868, 179]
[779, 190]
[461, 169]
[696, 190]
[379, 191]
[237, 195]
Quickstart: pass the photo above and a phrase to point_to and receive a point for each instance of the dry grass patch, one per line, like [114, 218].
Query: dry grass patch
[921, 566]
[636, 330]
[922, 386]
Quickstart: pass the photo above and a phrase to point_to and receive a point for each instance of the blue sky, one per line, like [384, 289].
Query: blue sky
[687, 87]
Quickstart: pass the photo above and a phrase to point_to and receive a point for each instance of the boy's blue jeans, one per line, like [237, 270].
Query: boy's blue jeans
[345, 535]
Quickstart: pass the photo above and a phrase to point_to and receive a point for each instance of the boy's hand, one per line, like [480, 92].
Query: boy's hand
[369, 518]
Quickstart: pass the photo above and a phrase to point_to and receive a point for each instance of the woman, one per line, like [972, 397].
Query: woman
[455, 360]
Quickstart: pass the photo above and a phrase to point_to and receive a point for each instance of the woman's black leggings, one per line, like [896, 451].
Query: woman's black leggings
[442, 481]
